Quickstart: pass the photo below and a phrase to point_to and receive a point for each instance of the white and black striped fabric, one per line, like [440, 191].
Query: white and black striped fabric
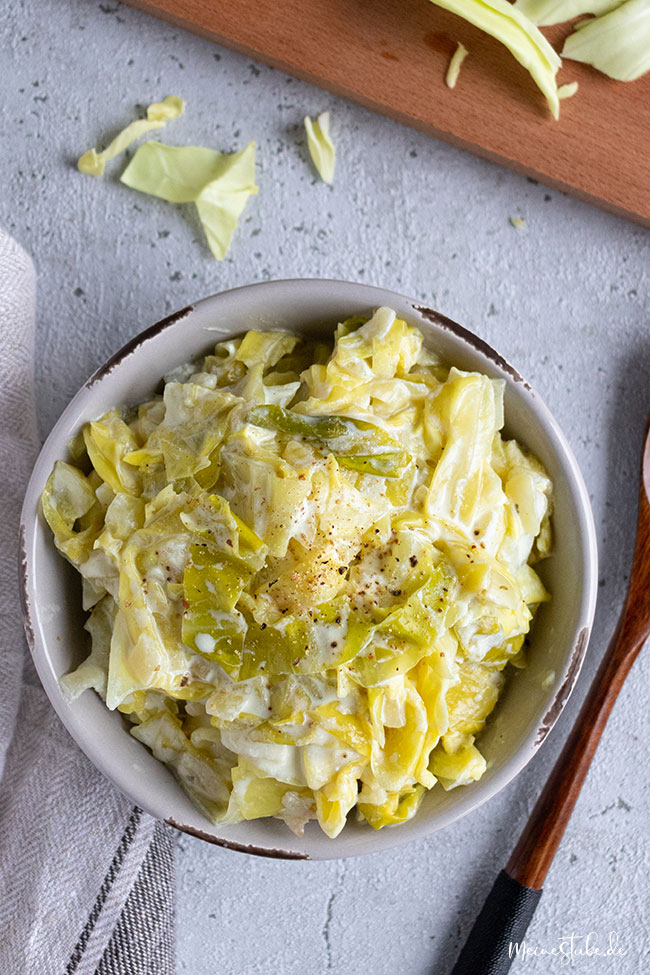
[86, 879]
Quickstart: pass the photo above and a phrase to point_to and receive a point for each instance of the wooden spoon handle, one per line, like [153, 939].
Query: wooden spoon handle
[502, 923]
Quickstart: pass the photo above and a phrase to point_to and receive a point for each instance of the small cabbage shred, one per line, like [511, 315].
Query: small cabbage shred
[218, 183]
[307, 565]
[455, 63]
[158, 114]
[514, 30]
[320, 145]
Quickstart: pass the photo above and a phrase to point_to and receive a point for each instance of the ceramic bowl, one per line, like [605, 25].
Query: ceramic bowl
[530, 704]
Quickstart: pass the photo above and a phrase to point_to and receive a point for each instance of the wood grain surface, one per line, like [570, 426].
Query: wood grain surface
[392, 56]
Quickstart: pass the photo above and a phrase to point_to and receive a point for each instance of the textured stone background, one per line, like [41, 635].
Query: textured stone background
[566, 299]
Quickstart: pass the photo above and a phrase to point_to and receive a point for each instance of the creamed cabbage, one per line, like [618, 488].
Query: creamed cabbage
[306, 566]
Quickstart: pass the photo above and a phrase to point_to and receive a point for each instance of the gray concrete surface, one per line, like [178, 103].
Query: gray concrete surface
[566, 299]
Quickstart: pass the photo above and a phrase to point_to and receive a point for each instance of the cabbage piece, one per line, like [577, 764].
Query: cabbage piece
[204, 776]
[193, 429]
[335, 800]
[433, 678]
[460, 768]
[108, 442]
[455, 63]
[469, 702]
[72, 511]
[254, 795]
[464, 488]
[519, 34]
[545, 13]
[93, 672]
[219, 184]
[616, 43]
[356, 378]
[568, 90]
[147, 650]
[399, 807]
[212, 586]
[394, 763]
[266, 492]
[355, 444]
[321, 147]
[407, 632]
[158, 114]
[265, 348]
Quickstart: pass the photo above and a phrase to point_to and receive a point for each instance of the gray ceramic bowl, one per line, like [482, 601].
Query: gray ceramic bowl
[529, 706]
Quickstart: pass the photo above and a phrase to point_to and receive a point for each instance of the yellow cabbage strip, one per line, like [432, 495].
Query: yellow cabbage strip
[158, 114]
[618, 43]
[217, 183]
[321, 147]
[524, 41]
[453, 70]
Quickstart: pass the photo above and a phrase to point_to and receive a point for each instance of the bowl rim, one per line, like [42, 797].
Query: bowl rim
[526, 747]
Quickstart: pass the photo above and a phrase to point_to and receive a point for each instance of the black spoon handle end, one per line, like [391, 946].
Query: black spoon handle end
[491, 946]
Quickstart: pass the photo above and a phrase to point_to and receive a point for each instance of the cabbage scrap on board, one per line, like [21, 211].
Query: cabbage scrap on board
[455, 64]
[219, 184]
[158, 114]
[307, 565]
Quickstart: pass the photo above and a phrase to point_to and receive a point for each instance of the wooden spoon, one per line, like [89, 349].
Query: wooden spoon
[511, 903]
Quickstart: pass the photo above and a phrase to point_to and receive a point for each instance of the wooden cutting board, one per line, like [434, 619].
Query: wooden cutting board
[392, 56]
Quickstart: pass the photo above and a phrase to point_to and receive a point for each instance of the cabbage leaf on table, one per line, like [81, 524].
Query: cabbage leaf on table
[219, 184]
[158, 114]
[320, 145]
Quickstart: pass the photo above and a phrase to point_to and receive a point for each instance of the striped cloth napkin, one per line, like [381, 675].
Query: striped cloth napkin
[86, 879]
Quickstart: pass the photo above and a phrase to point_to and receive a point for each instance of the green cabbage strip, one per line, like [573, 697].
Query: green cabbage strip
[618, 43]
[321, 147]
[356, 445]
[524, 41]
[545, 13]
[158, 114]
[217, 183]
[407, 632]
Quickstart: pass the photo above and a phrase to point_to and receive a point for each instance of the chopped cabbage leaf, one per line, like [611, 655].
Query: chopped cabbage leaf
[93, 672]
[217, 183]
[308, 566]
[455, 63]
[158, 114]
[519, 34]
[545, 13]
[616, 43]
[72, 511]
[321, 147]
